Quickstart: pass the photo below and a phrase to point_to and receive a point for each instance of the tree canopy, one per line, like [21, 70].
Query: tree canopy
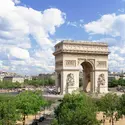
[109, 104]
[76, 109]
[8, 111]
[34, 82]
[13, 108]
[9, 84]
[121, 106]
[40, 82]
[29, 102]
[115, 83]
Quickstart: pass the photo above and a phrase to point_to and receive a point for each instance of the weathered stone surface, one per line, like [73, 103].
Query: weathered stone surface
[70, 79]
[92, 56]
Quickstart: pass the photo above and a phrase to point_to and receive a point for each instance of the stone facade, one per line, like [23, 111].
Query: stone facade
[13, 79]
[92, 56]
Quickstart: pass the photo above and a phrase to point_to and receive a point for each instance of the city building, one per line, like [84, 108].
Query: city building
[14, 79]
[45, 76]
[27, 77]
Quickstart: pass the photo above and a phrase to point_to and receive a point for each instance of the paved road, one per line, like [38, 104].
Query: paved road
[46, 121]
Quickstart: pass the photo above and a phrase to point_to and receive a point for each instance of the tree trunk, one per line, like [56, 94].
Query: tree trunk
[112, 120]
[103, 119]
[35, 116]
[44, 110]
[24, 120]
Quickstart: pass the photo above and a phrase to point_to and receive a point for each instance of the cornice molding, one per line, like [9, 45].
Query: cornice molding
[81, 52]
[81, 47]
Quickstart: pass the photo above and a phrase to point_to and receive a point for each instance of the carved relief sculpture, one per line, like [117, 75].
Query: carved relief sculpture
[70, 63]
[101, 79]
[70, 79]
[101, 64]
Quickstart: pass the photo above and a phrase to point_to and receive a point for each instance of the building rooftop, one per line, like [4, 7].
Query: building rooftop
[13, 77]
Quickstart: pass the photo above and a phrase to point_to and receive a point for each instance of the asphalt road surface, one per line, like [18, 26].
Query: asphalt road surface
[46, 121]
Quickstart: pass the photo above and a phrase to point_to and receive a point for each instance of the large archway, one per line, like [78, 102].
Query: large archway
[87, 77]
[93, 57]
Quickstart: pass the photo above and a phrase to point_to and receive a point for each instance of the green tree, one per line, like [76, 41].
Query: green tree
[108, 104]
[40, 82]
[76, 109]
[54, 122]
[9, 84]
[121, 82]
[28, 102]
[51, 81]
[8, 112]
[46, 105]
[39, 102]
[121, 106]
[113, 83]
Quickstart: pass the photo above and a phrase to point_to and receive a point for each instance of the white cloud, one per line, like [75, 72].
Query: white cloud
[110, 24]
[19, 53]
[116, 59]
[17, 1]
[77, 24]
[22, 31]
[122, 10]
[72, 23]
[113, 26]
[110, 41]
[81, 20]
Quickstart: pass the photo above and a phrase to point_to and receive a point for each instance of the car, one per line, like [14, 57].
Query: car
[41, 119]
[119, 88]
[35, 122]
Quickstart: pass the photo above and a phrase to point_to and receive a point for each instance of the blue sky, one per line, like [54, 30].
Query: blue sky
[30, 29]
[76, 10]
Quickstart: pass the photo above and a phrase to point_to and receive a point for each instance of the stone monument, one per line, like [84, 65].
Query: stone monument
[92, 56]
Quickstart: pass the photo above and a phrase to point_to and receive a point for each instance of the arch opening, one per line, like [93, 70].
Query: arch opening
[87, 77]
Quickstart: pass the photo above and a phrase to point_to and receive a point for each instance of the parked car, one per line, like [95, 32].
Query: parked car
[121, 88]
[41, 119]
[35, 122]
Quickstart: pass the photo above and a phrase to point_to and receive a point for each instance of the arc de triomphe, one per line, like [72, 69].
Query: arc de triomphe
[91, 56]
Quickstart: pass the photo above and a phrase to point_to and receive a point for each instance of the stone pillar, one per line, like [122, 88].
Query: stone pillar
[96, 86]
[84, 81]
[92, 81]
[62, 86]
[67, 86]
[101, 81]
[56, 80]
[104, 86]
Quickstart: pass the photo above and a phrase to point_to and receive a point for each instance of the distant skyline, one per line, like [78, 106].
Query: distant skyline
[29, 29]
